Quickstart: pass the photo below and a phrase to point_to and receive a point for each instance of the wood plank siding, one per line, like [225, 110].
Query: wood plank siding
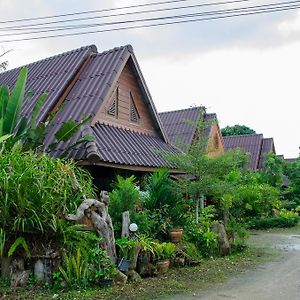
[126, 91]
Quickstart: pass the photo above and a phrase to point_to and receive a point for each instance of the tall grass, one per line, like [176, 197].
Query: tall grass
[36, 191]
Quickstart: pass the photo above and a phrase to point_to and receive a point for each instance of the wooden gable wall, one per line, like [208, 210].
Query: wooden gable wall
[130, 102]
[215, 144]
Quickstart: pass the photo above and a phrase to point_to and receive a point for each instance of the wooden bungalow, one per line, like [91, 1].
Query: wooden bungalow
[182, 133]
[255, 144]
[109, 87]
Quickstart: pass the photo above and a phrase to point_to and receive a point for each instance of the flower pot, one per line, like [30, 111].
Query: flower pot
[124, 265]
[105, 283]
[163, 266]
[176, 235]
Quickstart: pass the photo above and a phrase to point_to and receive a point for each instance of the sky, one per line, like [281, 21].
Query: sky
[244, 69]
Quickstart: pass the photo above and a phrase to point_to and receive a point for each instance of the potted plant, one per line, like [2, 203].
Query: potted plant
[125, 247]
[176, 235]
[163, 253]
[146, 246]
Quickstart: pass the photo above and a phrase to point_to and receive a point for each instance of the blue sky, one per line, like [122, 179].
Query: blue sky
[244, 69]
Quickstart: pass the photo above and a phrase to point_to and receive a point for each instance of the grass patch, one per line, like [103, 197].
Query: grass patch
[176, 281]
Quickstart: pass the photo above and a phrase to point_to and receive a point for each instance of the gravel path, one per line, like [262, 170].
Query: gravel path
[279, 279]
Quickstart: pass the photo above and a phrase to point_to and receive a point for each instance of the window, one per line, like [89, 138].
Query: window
[134, 115]
[113, 107]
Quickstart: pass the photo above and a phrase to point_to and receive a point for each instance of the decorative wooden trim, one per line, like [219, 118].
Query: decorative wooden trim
[134, 115]
[113, 107]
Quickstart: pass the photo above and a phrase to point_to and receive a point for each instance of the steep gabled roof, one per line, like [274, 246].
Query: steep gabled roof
[254, 144]
[177, 127]
[267, 147]
[51, 75]
[82, 79]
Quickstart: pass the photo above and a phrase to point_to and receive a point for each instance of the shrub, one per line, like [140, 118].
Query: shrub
[164, 251]
[36, 191]
[272, 222]
[125, 196]
[201, 234]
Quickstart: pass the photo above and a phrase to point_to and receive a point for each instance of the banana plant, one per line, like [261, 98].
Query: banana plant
[20, 131]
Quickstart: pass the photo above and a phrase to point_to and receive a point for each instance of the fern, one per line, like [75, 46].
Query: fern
[20, 241]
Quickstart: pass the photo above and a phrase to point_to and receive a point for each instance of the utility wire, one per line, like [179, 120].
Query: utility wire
[29, 26]
[23, 27]
[270, 10]
[255, 8]
[105, 10]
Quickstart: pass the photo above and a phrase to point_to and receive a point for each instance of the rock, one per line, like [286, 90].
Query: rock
[179, 261]
[19, 279]
[39, 270]
[120, 279]
[223, 243]
[5, 266]
[148, 271]
[133, 276]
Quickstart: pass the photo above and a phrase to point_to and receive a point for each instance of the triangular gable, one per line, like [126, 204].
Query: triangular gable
[133, 111]
[181, 133]
[114, 62]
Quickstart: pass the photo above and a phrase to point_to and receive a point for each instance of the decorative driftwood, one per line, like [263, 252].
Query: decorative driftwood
[94, 213]
[125, 223]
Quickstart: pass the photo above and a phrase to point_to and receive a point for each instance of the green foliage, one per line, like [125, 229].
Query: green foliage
[2, 241]
[272, 222]
[159, 190]
[238, 232]
[236, 130]
[208, 173]
[20, 241]
[164, 251]
[201, 235]
[125, 247]
[74, 269]
[28, 134]
[145, 243]
[248, 195]
[190, 250]
[36, 191]
[125, 196]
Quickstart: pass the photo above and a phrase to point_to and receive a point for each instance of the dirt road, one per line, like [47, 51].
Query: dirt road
[279, 279]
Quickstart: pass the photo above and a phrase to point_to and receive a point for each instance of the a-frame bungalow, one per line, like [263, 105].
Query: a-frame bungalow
[110, 87]
[181, 128]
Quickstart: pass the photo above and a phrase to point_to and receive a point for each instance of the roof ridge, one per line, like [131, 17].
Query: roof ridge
[92, 47]
[176, 110]
[241, 135]
[128, 46]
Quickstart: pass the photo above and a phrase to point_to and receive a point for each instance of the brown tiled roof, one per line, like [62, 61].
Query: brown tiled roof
[123, 146]
[254, 144]
[98, 72]
[177, 127]
[51, 75]
[267, 147]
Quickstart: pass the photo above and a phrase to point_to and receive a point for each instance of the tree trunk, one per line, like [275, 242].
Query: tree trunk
[197, 211]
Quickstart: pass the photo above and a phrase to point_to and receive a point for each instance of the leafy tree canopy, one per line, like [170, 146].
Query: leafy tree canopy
[237, 130]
